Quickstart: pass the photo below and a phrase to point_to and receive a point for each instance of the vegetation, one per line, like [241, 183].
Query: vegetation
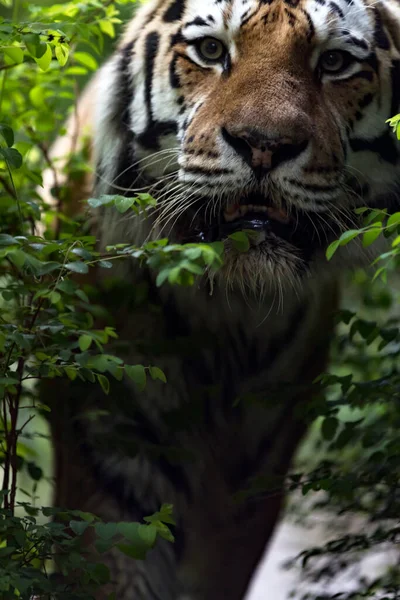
[48, 331]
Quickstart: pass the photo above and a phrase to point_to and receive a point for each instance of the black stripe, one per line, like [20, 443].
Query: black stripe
[175, 11]
[173, 75]
[313, 188]
[197, 21]
[355, 41]
[112, 484]
[125, 174]
[292, 3]
[384, 145]
[123, 95]
[202, 171]
[336, 9]
[176, 38]
[250, 465]
[366, 100]
[311, 28]
[395, 76]
[151, 48]
[191, 61]
[246, 19]
[291, 17]
[380, 36]
[150, 136]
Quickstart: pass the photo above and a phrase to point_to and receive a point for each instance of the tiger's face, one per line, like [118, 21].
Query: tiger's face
[266, 116]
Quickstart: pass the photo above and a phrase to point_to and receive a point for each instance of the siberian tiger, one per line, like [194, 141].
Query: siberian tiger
[264, 115]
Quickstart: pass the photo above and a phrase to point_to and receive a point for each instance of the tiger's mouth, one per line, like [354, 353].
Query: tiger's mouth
[258, 215]
[259, 218]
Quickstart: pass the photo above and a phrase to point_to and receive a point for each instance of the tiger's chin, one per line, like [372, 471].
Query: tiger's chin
[265, 247]
[268, 266]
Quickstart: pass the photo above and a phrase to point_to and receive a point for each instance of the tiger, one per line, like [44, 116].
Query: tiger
[258, 116]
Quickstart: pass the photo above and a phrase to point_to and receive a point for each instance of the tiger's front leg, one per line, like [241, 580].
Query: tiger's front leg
[219, 539]
[231, 410]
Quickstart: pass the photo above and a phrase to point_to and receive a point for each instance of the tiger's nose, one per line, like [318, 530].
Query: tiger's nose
[261, 151]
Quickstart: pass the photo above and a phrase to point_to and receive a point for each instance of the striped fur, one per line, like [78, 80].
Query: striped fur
[163, 119]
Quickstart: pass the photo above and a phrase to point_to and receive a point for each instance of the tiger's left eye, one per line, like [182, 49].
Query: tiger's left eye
[334, 61]
[211, 50]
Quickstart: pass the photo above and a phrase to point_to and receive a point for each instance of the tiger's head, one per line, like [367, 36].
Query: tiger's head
[259, 115]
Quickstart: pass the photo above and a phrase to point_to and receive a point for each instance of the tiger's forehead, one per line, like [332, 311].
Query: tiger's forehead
[327, 19]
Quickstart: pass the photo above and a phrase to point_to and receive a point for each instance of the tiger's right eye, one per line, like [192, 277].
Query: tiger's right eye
[211, 50]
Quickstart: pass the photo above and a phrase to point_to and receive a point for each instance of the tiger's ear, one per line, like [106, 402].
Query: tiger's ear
[388, 17]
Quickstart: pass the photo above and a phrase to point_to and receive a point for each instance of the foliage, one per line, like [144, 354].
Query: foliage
[48, 322]
[358, 423]
[28, 546]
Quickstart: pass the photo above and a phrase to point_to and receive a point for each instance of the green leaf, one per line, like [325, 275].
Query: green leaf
[148, 533]
[107, 27]
[15, 53]
[162, 277]
[138, 374]
[45, 60]
[85, 341]
[103, 545]
[174, 274]
[193, 253]
[123, 204]
[102, 201]
[133, 551]
[240, 241]
[106, 531]
[55, 297]
[7, 134]
[8, 381]
[101, 573]
[2, 341]
[18, 258]
[37, 96]
[44, 268]
[105, 264]
[141, 537]
[86, 59]
[34, 44]
[370, 236]
[348, 235]
[394, 220]
[77, 267]
[62, 53]
[34, 471]
[156, 373]
[78, 527]
[8, 240]
[82, 296]
[146, 200]
[330, 251]
[12, 156]
[105, 384]
[329, 428]
[71, 372]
